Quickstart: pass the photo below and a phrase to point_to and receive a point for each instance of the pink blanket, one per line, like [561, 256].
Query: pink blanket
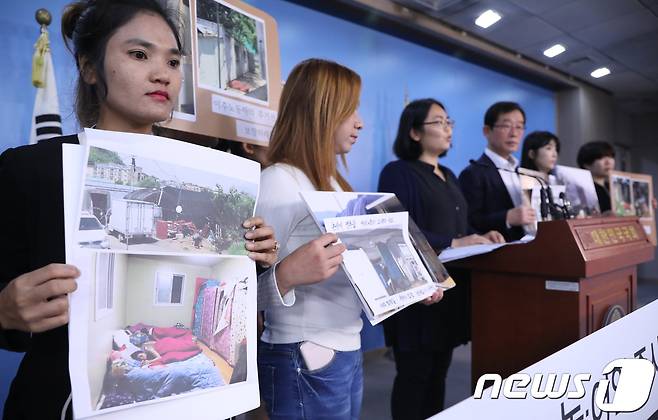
[175, 349]
[160, 332]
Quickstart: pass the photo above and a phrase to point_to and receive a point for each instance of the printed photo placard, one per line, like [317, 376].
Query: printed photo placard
[325, 204]
[579, 190]
[232, 71]
[189, 199]
[381, 262]
[159, 327]
[631, 194]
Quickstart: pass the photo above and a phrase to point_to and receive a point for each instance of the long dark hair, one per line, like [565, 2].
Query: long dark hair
[535, 141]
[87, 26]
[412, 117]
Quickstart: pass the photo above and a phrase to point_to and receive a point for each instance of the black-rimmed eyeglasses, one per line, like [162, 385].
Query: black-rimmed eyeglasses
[442, 123]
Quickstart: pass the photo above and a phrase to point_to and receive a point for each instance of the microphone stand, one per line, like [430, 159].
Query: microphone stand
[547, 204]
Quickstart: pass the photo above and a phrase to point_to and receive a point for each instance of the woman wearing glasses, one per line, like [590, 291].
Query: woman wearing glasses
[422, 340]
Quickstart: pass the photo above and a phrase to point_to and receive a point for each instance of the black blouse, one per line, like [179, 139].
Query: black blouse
[603, 195]
[438, 207]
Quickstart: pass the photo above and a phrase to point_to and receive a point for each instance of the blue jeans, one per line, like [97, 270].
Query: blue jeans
[290, 391]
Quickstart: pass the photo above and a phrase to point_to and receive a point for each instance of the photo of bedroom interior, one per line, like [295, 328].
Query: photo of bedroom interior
[162, 326]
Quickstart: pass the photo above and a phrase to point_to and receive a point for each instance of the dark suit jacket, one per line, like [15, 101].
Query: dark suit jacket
[32, 236]
[488, 199]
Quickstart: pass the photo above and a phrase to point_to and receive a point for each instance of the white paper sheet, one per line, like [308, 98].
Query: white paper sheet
[154, 195]
[451, 254]
[381, 261]
[327, 204]
[219, 382]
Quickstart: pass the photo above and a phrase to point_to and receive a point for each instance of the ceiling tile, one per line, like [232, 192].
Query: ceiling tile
[651, 73]
[651, 5]
[538, 7]
[519, 32]
[616, 30]
[638, 53]
[583, 64]
[619, 34]
[584, 13]
[626, 82]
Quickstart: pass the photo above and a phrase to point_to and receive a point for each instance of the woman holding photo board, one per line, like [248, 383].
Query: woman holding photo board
[309, 361]
[128, 55]
[423, 337]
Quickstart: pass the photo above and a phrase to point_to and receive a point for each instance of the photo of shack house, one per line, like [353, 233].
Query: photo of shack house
[151, 205]
[177, 204]
[210, 218]
[98, 198]
[161, 327]
[231, 49]
[107, 178]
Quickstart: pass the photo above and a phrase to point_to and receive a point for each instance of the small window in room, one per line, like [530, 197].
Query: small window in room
[169, 288]
[104, 284]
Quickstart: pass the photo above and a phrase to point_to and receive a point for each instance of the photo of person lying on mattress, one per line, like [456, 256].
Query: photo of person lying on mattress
[148, 362]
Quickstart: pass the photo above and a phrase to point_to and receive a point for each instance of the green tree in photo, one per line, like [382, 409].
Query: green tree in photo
[238, 26]
[231, 209]
[149, 182]
[98, 155]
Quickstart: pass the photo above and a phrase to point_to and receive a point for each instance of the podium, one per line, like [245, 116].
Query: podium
[531, 300]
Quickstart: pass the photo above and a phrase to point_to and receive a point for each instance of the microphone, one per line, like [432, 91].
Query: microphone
[543, 204]
[566, 206]
[546, 202]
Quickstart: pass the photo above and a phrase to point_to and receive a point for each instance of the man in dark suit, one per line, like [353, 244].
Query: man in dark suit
[491, 187]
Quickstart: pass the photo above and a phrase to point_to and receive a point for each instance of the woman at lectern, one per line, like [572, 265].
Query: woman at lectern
[128, 55]
[423, 337]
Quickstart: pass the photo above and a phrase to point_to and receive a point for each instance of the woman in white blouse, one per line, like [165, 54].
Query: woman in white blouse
[309, 359]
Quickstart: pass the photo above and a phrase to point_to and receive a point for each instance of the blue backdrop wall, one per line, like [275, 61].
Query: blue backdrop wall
[390, 67]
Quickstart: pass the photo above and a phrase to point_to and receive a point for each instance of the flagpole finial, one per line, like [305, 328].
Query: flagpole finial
[43, 17]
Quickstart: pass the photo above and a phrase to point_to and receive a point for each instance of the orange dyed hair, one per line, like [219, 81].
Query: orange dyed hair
[317, 97]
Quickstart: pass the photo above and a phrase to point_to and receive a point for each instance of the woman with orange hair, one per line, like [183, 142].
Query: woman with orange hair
[309, 359]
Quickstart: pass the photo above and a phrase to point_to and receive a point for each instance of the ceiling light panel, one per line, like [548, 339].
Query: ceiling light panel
[555, 50]
[600, 72]
[487, 19]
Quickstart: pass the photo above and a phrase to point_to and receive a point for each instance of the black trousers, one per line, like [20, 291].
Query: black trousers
[420, 383]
